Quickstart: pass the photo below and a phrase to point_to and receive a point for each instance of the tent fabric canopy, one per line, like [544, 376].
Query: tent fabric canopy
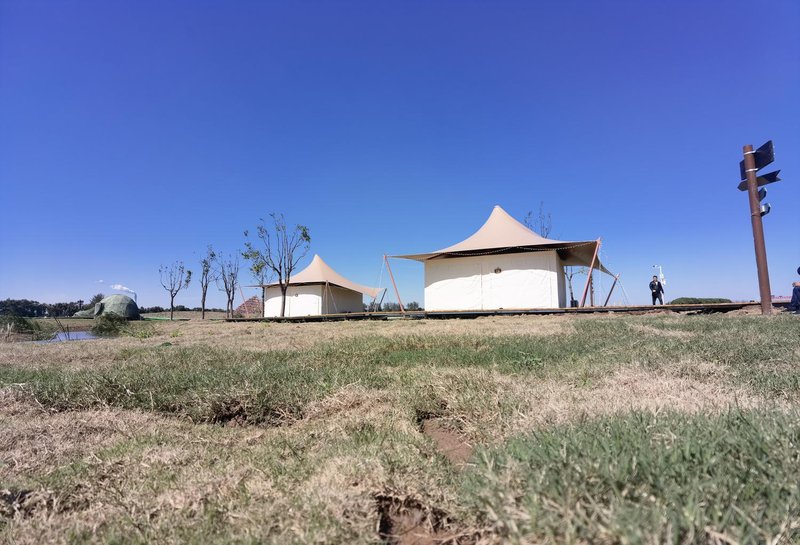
[319, 272]
[501, 234]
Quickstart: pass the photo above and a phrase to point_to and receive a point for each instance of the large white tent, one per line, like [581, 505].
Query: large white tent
[316, 290]
[503, 265]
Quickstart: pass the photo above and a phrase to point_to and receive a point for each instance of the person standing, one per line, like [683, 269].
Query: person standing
[794, 305]
[656, 290]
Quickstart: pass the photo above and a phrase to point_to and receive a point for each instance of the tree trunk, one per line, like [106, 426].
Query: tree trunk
[203, 305]
[569, 283]
[171, 305]
[283, 299]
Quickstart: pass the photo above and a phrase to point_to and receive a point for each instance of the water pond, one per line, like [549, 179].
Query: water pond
[71, 336]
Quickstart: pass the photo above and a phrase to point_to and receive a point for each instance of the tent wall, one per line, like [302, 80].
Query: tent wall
[300, 301]
[336, 300]
[562, 286]
[312, 300]
[525, 280]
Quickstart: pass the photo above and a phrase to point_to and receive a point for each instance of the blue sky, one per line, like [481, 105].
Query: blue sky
[136, 133]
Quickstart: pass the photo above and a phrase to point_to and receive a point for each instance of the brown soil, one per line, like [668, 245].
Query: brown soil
[408, 522]
[448, 442]
[755, 310]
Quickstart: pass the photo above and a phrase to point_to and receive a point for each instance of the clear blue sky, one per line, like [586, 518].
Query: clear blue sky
[136, 133]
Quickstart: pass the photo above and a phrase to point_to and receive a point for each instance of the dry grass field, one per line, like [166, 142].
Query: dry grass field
[551, 429]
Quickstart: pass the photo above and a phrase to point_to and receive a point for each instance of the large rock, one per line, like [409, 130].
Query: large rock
[121, 305]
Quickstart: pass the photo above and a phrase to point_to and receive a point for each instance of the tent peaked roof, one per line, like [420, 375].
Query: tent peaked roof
[319, 272]
[501, 233]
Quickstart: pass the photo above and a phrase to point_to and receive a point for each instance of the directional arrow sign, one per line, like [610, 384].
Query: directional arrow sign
[763, 156]
[762, 180]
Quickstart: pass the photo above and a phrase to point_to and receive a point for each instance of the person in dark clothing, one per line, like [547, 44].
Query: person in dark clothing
[656, 289]
[794, 305]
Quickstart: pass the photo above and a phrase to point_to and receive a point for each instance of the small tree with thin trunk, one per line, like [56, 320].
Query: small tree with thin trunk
[207, 275]
[260, 272]
[174, 278]
[569, 272]
[227, 277]
[282, 249]
[542, 223]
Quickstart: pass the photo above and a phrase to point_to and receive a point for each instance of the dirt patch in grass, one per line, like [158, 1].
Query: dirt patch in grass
[12, 501]
[753, 310]
[23, 503]
[406, 521]
[449, 443]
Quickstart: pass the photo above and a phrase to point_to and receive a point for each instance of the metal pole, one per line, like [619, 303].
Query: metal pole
[611, 290]
[758, 231]
[589, 277]
[397, 293]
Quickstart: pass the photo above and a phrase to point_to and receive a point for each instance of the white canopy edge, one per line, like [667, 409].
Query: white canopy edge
[502, 234]
[319, 272]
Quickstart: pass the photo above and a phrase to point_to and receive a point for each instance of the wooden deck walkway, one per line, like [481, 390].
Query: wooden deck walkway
[466, 314]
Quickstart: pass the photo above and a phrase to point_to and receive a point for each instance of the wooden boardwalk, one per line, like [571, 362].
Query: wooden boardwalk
[466, 314]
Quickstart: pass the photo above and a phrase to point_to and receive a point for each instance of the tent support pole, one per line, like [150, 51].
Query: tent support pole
[589, 276]
[397, 293]
[243, 301]
[382, 296]
[611, 290]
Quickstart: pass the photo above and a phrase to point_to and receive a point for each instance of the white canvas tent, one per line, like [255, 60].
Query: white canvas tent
[503, 265]
[316, 290]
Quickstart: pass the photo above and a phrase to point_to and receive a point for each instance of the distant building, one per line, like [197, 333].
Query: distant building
[317, 290]
[503, 265]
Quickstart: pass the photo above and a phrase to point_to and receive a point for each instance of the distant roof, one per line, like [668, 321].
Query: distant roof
[250, 306]
[319, 272]
[501, 233]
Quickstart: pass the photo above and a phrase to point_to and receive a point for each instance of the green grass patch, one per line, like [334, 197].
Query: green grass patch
[698, 300]
[642, 478]
[212, 385]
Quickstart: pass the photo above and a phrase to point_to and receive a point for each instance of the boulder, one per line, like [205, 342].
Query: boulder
[121, 305]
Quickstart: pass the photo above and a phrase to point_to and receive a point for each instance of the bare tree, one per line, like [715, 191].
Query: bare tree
[282, 250]
[174, 278]
[260, 273]
[227, 277]
[569, 272]
[207, 275]
[542, 223]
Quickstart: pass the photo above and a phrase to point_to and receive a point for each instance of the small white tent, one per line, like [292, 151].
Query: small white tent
[316, 290]
[503, 265]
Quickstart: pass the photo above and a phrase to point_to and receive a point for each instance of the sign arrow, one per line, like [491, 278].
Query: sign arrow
[763, 156]
[772, 177]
